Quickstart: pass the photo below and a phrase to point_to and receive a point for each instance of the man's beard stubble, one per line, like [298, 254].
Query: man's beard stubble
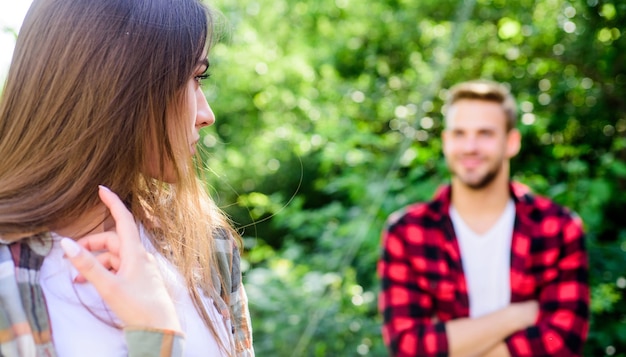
[483, 182]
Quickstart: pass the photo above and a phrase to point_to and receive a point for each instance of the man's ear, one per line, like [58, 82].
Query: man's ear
[513, 143]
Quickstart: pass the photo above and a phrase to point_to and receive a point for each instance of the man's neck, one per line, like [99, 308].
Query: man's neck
[481, 208]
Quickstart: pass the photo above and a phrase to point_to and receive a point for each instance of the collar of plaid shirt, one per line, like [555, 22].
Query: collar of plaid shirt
[525, 204]
[24, 331]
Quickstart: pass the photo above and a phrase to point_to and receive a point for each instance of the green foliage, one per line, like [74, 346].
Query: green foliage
[328, 119]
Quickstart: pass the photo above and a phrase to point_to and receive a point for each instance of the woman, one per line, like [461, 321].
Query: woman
[106, 92]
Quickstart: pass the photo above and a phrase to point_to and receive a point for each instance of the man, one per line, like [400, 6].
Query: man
[485, 268]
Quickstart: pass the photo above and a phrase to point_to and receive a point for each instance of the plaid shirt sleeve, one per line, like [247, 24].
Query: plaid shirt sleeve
[239, 308]
[409, 327]
[229, 263]
[151, 342]
[559, 281]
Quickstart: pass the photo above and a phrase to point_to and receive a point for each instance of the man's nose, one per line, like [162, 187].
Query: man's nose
[470, 144]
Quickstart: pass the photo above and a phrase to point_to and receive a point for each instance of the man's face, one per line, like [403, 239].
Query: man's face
[476, 143]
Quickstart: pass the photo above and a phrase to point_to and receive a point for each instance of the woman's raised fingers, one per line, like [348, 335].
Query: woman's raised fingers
[125, 225]
[110, 262]
[105, 241]
[87, 265]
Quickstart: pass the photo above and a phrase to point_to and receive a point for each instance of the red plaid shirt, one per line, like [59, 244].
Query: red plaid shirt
[423, 285]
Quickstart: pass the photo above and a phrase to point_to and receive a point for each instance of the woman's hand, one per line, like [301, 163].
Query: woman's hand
[126, 276]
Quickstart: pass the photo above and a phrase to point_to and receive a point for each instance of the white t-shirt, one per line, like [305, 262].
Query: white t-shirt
[486, 260]
[82, 325]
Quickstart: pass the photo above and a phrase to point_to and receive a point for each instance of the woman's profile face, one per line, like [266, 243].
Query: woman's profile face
[197, 107]
[196, 114]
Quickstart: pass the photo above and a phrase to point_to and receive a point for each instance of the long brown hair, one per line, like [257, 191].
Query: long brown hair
[92, 86]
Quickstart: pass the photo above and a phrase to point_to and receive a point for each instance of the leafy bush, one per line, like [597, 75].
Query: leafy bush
[328, 119]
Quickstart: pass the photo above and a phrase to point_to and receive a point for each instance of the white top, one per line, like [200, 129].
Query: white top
[82, 325]
[486, 260]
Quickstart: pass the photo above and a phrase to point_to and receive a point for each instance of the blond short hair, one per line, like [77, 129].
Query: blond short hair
[488, 91]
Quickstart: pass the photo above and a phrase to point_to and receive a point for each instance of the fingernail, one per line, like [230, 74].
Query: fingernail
[70, 247]
[105, 188]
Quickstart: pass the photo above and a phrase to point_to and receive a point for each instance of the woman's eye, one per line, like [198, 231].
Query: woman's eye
[199, 79]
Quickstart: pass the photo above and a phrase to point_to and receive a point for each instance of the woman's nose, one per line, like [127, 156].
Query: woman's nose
[204, 114]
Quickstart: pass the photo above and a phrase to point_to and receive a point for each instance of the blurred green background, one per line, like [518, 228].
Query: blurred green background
[329, 117]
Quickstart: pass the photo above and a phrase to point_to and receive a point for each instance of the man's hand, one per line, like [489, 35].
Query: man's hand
[525, 312]
[485, 335]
